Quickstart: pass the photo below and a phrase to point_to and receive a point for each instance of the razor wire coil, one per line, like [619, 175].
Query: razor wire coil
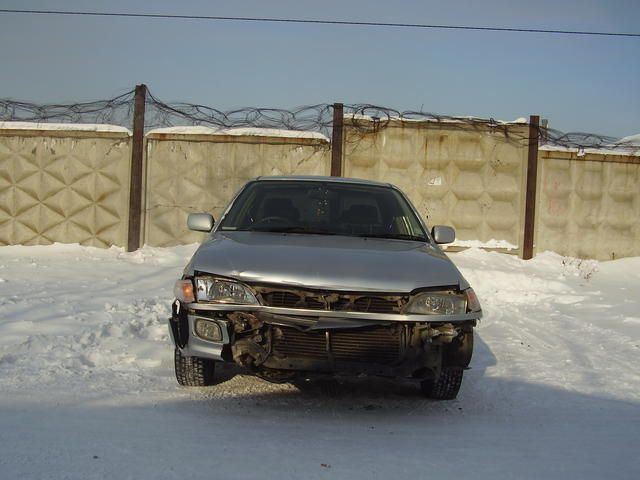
[362, 119]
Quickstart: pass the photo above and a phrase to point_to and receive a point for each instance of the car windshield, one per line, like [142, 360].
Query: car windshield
[324, 208]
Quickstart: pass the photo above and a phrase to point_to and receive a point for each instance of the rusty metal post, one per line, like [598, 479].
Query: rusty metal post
[137, 159]
[336, 140]
[532, 180]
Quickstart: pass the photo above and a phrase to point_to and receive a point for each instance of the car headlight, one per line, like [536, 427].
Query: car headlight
[437, 303]
[209, 289]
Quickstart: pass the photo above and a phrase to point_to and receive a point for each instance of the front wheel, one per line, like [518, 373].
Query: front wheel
[193, 371]
[446, 386]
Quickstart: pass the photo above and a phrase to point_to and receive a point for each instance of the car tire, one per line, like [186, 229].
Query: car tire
[194, 371]
[446, 386]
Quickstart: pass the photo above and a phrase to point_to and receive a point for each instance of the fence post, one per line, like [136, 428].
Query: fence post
[532, 179]
[137, 153]
[336, 140]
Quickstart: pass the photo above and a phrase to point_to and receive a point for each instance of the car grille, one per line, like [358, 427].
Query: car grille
[334, 302]
[378, 345]
[282, 299]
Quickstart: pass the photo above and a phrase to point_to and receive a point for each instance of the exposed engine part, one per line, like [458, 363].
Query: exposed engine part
[438, 334]
[273, 346]
[380, 345]
[248, 353]
[244, 322]
[252, 345]
[459, 351]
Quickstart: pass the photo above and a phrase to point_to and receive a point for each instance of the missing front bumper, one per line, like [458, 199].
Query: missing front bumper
[264, 341]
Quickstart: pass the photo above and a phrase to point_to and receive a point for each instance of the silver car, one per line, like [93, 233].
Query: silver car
[321, 275]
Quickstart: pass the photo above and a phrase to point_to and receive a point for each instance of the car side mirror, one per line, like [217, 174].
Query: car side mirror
[443, 234]
[200, 222]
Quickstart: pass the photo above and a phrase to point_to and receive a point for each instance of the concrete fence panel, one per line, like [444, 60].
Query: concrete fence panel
[70, 183]
[197, 169]
[64, 183]
[588, 206]
[470, 177]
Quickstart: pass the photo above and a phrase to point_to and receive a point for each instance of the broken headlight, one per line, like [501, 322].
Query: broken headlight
[437, 303]
[210, 289]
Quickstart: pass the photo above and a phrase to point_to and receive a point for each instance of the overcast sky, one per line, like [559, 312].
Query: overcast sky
[579, 83]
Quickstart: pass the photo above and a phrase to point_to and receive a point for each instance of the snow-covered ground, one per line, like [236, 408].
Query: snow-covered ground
[87, 388]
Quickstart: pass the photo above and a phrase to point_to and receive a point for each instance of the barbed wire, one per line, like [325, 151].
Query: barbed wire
[552, 137]
[361, 120]
[367, 118]
[317, 118]
[114, 111]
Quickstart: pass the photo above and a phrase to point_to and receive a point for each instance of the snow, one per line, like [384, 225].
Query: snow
[258, 132]
[71, 127]
[493, 243]
[618, 149]
[633, 140]
[88, 389]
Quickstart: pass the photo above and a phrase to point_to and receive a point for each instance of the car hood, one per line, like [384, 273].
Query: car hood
[325, 262]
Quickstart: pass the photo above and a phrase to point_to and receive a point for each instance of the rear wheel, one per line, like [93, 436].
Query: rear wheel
[446, 386]
[193, 371]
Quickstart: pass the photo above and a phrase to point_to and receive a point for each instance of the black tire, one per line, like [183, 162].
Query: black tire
[194, 371]
[446, 386]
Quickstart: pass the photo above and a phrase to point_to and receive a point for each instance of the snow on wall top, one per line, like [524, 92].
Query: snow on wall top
[257, 132]
[630, 140]
[73, 127]
[617, 149]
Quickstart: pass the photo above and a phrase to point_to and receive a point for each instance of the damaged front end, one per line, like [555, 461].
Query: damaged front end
[280, 346]
[323, 275]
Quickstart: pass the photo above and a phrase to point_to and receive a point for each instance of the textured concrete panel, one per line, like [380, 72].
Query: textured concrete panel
[469, 177]
[64, 186]
[200, 173]
[587, 208]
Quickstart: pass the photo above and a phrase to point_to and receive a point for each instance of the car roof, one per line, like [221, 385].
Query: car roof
[318, 178]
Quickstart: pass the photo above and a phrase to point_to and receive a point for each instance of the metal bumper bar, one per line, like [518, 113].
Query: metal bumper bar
[335, 314]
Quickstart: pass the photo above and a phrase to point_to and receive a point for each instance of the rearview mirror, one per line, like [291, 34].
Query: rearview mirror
[200, 222]
[443, 234]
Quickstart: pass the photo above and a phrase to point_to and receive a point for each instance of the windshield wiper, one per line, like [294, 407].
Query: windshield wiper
[393, 236]
[309, 231]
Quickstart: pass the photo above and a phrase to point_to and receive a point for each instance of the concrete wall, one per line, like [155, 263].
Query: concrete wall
[588, 206]
[64, 183]
[197, 171]
[70, 183]
[467, 176]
